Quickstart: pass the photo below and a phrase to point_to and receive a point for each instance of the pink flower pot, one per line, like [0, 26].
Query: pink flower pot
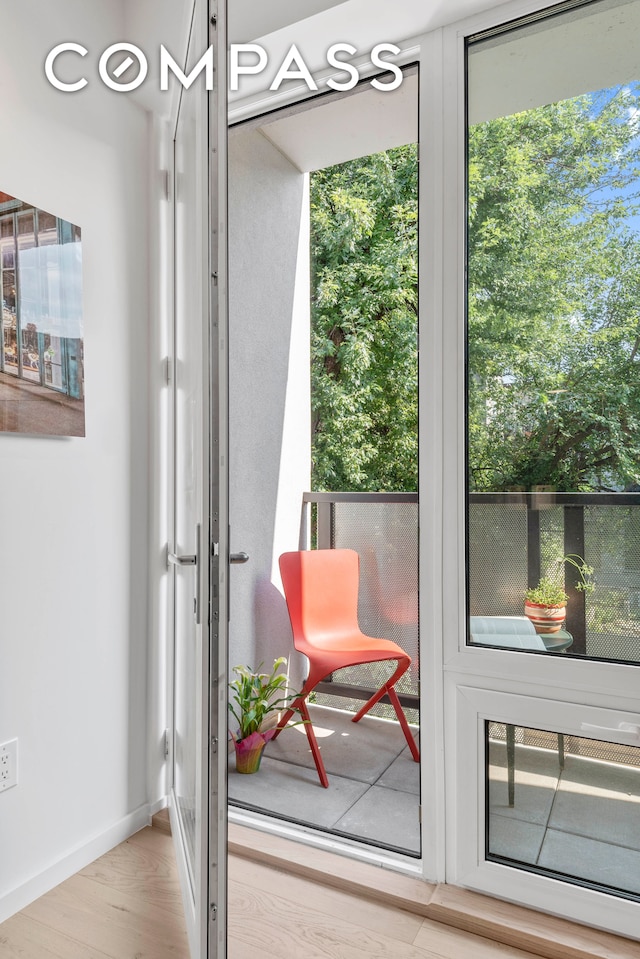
[249, 751]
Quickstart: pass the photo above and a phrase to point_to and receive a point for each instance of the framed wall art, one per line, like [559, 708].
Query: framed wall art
[41, 348]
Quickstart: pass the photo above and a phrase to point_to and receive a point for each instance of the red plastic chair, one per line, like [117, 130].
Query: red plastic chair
[321, 590]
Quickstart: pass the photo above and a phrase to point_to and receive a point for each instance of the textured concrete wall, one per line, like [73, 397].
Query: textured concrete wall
[269, 387]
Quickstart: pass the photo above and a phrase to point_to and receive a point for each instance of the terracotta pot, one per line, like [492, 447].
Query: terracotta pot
[250, 749]
[546, 619]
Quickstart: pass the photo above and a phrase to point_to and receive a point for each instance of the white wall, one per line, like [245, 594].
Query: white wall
[269, 387]
[73, 512]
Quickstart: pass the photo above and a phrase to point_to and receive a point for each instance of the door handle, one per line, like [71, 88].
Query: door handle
[188, 560]
[238, 558]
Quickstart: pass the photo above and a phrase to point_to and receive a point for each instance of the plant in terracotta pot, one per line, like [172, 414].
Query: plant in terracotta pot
[254, 697]
[546, 603]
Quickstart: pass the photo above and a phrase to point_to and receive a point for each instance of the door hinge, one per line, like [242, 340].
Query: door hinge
[167, 740]
[167, 370]
[420, 814]
[213, 912]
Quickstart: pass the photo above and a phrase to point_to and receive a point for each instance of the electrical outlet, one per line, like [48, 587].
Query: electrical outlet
[8, 764]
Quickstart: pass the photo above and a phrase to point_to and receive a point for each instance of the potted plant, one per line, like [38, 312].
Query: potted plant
[546, 603]
[255, 696]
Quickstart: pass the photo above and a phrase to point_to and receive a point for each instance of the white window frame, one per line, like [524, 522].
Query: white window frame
[474, 707]
[565, 685]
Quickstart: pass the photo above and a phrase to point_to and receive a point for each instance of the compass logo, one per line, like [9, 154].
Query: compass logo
[245, 59]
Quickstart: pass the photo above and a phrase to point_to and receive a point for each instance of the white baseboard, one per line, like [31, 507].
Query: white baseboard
[159, 804]
[73, 862]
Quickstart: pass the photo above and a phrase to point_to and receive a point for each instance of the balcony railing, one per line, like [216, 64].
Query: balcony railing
[383, 529]
[513, 539]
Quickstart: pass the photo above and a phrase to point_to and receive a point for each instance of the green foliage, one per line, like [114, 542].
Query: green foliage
[554, 297]
[364, 323]
[585, 584]
[553, 305]
[256, 695]
[549, 592]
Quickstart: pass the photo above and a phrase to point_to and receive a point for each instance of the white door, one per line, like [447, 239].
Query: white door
[198, 382]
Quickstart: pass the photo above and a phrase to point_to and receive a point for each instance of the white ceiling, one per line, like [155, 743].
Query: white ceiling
[546, 62]
[554, 60]
[336, 130]
[149, 23]
[249, 19]
[557, 63]
[254, 19]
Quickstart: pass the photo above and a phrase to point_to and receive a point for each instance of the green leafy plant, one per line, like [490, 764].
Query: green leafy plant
[255, 695]
[549, 592]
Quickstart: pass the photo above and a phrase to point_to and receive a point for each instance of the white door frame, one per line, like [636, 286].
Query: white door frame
[204, 888]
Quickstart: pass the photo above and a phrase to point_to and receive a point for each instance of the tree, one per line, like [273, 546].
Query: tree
[553, 305]
[553, 301]
[364, 323]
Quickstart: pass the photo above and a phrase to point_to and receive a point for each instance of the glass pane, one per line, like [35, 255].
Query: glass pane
[9, 319]
[30, 353]
[554, 335]
[53, 362]
[565, 806]
[188, 390]
[47, 229]
[26, 232]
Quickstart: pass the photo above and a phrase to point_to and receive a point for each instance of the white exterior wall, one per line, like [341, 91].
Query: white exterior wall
[73, 512]
[269, 387]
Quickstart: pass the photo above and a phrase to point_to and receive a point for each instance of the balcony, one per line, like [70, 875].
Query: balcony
[374, 790]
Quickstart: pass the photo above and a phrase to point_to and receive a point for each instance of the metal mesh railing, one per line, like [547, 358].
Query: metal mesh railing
[514, 538]
[573, 745]
[383, 529]
[497, 559]
[612, 543]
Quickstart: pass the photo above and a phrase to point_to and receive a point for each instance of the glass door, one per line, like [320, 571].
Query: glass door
[543, 688]
[198, 793]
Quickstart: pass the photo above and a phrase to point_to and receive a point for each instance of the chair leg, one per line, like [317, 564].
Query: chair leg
[389, 690]
[313, 743]
[295, 706]
[284, 719]
[300, 705]
[402, 719]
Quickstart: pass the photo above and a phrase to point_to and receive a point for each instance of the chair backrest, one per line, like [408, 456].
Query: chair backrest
[321, 589]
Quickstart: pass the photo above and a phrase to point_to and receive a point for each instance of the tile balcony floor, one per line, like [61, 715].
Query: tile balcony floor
[374, 784]
[583, 820]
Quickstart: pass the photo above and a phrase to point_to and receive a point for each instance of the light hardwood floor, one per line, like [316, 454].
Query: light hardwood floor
[126, 905]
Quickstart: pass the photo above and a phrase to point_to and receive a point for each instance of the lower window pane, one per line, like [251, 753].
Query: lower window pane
[564, 806]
